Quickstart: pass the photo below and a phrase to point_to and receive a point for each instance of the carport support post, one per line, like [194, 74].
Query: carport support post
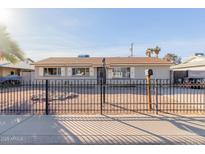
[46, 97]
[149, 92]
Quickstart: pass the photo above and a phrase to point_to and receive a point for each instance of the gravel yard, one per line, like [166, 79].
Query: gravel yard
[87, 100]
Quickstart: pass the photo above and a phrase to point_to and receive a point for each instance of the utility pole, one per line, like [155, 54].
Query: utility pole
[131, 49]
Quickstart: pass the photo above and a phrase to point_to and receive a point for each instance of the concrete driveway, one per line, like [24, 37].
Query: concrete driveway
[102, 129]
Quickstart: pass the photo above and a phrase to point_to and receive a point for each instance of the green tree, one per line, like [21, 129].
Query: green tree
[172, 58]
[9, 49]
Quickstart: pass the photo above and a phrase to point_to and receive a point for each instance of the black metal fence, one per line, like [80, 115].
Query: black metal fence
[92, 97]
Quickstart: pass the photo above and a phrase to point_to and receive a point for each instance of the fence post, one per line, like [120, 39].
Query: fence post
[46, 97]
[103, 82]
[101, 95]
[104, 92]
[149, 92]
[156, 94]
[104, 79]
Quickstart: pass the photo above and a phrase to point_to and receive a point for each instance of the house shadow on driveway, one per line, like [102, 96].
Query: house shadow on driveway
[30, 129]
[192, 124]
[101, 129]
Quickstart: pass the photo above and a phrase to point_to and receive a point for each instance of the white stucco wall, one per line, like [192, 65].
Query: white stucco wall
[160, 72]
[64, 76]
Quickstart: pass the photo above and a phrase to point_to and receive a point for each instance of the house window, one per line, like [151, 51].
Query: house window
[80, 71]
[121, 72]
[52, 71]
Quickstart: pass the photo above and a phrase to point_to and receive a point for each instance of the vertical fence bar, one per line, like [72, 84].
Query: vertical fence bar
[149, 93]
[46, 97]
[101, 95]
[156, 93]
[104, 92]
[116, 96]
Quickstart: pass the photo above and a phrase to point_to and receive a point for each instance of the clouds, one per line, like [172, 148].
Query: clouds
[107, 32]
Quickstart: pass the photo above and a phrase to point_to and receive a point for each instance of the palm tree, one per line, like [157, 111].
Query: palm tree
[9, 49]
[149, 51]
[156, 51]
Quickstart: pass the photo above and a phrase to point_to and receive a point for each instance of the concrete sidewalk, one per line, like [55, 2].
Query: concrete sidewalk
[102, 129]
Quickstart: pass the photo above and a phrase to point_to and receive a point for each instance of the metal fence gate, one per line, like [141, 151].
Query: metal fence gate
[106, 97]
[93, 97]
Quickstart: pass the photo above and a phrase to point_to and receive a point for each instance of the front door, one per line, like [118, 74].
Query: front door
[100, 74]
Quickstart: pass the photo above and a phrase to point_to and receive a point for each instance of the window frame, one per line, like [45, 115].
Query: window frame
[58, 71]
[85, 75]
[127, 68]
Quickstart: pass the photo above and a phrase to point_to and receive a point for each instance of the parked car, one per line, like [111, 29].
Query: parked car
[11, 80]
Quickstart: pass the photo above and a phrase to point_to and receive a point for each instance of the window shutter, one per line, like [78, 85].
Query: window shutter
[69, 71]
[91, 71]
[62, 71]
[40, 71]
[132, 72]
[109, 73]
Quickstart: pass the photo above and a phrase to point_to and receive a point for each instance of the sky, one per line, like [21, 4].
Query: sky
[43, 33]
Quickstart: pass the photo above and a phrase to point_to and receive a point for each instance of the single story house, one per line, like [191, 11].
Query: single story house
[92, 68]
[192, 67]
[22, 68]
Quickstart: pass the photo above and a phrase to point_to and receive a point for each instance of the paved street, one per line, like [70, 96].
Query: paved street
[102, 129]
